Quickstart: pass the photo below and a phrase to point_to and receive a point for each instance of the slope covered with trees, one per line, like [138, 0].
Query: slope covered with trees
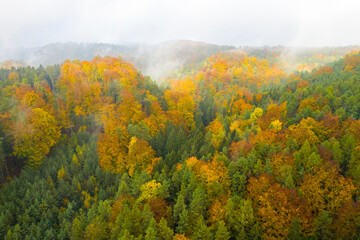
[237, 149]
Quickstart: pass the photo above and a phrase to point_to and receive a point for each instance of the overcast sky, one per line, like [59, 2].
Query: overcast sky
[33, 23]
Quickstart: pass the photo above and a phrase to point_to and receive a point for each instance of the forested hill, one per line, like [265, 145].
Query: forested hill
[236, 149]
[160, 60]
[155, 60]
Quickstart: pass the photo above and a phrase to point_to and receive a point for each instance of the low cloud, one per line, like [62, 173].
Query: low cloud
[255, 23]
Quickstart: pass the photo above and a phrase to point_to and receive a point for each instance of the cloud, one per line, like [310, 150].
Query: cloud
[261, 22]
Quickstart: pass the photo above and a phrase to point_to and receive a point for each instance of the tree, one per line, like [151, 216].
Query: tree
[257, 113]
[239, 215]
[218, 133]
[35, 135]
[181, 108]
[179, 207]
[198, 203]
[149, 190]
[222, 232]
[322, 226]
[151, 231]
[294, 232]
[3, 163]
[127, 236]
[96, 229]
[180, 237]
[164, 232]
[201, 231]
[140, 156]
[326, 189]
[78, 227]
[183, 224]
[276, 206]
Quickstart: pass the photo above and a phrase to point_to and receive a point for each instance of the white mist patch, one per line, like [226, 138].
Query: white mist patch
[159, 70]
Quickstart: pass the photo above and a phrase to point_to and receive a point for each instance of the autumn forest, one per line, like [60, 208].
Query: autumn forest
[236, 145]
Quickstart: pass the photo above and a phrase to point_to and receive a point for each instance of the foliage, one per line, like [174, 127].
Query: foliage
[238, 149]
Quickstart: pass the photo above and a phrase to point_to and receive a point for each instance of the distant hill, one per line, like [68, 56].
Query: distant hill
[56, 53]
[160, 60]
[154, 60]
[298, 58]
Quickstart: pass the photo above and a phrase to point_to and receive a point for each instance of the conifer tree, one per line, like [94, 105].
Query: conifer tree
[221, 232]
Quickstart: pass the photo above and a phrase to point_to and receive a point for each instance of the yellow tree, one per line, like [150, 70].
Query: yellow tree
[181, 108]
[276, 206]
[326, 189]
[218, 133]
[157, 117]
[112, 144]
[140, 156]
[308, 130]
[130, 109]
[274, 112]
[35, 135]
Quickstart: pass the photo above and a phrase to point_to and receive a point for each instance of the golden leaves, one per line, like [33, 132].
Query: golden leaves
[149, 190]
[181, 108]
[326, 189]
[35, 135]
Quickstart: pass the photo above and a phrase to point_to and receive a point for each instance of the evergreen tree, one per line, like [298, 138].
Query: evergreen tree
[294, 232]
[183, 224]
[242, 234]
[151, 231]
[164, 232]
[322, 226]
[201, 231]
[179, 207]
[127, 236]
[221, 232]
[198, 203]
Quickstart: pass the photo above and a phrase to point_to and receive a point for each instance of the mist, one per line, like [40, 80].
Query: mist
[254, 23]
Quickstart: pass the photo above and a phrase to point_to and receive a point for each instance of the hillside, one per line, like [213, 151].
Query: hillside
[238, 146]
[161, 61]
[155, 60]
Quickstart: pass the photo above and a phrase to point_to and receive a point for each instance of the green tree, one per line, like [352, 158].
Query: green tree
[198, 203]
[127, 236]
[322, 226]
[294, 232]
[151, 231]
[183, 224]
[179, 207]
[201, 231]
[222, 232]
[164, 232]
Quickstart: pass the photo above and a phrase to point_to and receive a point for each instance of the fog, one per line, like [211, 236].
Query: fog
[255, 23]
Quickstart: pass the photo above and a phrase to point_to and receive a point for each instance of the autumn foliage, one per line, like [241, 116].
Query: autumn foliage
[235, 148]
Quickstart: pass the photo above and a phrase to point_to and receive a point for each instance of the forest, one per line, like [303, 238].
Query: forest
[236, 146]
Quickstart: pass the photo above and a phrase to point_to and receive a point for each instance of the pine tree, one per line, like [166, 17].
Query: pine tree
[294, 232]
[222, 232]
[183, 224]
[198, 203]
[171, 141]
[146, 216]
[201, 231]
[127, 236]
[164, 232]
[242, 234]
[179, 207]
[238, 184]
[151, 231]
[78, 227]
[322, 226]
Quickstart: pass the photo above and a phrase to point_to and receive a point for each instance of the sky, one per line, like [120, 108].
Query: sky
[309, 23]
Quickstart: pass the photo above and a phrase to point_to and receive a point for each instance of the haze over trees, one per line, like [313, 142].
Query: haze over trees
[233, 146]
